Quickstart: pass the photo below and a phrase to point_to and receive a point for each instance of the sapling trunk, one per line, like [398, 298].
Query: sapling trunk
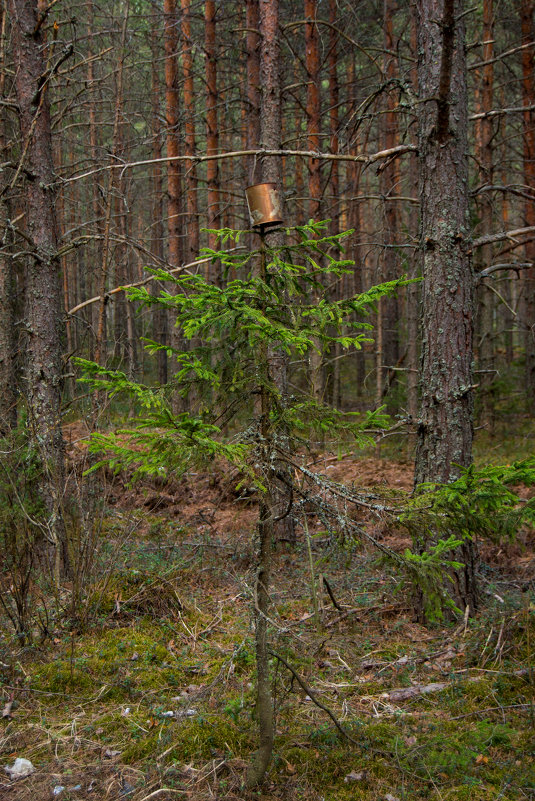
[260, 759]
[317, 620]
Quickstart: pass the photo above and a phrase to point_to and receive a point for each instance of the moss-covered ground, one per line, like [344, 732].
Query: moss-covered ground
[149, 692]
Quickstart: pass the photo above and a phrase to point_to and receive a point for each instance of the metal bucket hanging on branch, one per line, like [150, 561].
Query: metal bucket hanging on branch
[264, 204]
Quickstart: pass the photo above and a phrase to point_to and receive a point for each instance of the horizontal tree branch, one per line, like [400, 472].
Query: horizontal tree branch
[488, 239]
[478, 64]
[144, 281]
[399, 150]
[499, 112]
[507, 266]
[513, 190]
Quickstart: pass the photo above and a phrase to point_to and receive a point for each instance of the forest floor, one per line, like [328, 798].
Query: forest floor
[149, 692]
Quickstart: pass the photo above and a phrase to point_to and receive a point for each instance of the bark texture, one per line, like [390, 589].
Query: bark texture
[412, 292]
[528, 98]
[445, 429]
[44, 363]
[8, 392]
[445, 424]
[273, 366]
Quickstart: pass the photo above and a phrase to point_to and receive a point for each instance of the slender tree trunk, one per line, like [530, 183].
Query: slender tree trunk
[192, 213]
[261, 758]
[212, 131]
[101, 345]
[44, 363]
[528, 98]
[119, 262]
[174, 182]
[484, 152]
[96, 249]
[313, 109]
[412, 294]
[275, 367]
[354, 214]
[334, 225]
[300, 211]
[508, 314]
[313, 117]
[161, 332]
[334, 98]
[445, 424]
[253, 86]
[389, 184]
[174, 208]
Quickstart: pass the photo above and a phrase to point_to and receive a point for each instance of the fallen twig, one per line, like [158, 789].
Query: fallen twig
[331, 595]
[304, 686]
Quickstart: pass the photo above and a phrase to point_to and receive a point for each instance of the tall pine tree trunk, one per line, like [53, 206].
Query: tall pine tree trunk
[528, 99]
[445, 426]
[172, 119]
[484, 152]
[313, 116]
[44, 308]
[389, 184]
[412, 292]
[101, 343]
[253, 87]
[212, 132]
[192, 215]
[161, 328]
[8, 381]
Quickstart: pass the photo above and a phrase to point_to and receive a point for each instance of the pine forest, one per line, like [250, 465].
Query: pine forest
[267, 400]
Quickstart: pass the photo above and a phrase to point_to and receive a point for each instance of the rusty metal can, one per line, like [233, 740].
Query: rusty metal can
[264, 204]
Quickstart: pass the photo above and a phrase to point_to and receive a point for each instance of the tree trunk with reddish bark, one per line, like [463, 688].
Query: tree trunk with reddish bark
[174, 176]
[333, 379]
[8, 380]
[192, 213]
[528, 99]
[252, 41]
[172, 119]
[212, 132]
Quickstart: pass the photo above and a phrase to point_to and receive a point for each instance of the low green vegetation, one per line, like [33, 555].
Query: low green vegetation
[159, 688]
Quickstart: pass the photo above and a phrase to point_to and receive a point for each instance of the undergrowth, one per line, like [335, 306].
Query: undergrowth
[158, 691]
